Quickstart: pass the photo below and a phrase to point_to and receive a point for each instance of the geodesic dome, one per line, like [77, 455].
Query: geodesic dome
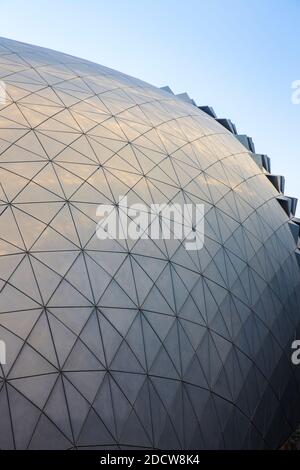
[136, 344]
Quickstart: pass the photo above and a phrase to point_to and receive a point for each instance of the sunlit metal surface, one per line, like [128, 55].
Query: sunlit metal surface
[142, 344]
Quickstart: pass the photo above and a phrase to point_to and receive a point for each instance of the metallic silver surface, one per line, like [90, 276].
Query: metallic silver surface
[136, 344]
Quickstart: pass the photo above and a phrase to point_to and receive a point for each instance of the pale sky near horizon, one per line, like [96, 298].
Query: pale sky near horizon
[239, 56]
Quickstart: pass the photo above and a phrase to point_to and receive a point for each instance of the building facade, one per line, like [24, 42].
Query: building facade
[138, 343]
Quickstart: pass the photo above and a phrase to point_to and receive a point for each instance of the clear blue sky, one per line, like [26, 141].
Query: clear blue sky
[239, 56]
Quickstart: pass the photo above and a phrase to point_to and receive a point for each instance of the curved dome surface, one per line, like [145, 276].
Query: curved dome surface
[136, 344]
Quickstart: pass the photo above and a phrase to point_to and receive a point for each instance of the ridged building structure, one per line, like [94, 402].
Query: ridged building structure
[138, 344]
